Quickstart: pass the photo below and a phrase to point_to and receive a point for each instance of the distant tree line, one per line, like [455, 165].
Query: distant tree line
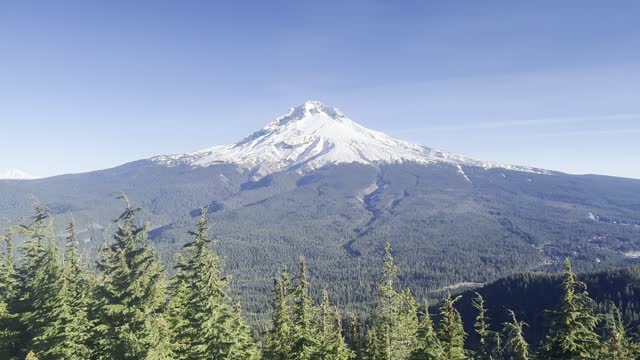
[54, 305]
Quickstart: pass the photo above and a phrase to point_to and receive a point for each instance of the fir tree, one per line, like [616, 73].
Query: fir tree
[572, 334]
[43, 296]
[617, 345]
[451, 332]
[304, 337]
[356, 337]
[515, 344]
[244, 348]
[392, 335]
[331, 343]
[178, 323]
[130, 293]
[214, 330]
[9, 326]
[279, 342]
[487, 348]
[163, 348]
[428, 345]
[72, 328]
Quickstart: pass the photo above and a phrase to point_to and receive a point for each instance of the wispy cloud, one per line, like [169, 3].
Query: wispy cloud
[488, 125]
[625, 131]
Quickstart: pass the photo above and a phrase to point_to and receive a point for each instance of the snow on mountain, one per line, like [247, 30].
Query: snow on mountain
[15, 174]
[313, 135]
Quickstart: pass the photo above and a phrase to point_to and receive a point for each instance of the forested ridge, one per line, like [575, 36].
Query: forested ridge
[54, 304]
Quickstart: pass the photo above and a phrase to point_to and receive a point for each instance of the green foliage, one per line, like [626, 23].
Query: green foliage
[9, 326]
[43, 297]
[279, 341]
[394, 322]
[176, 311]
[487, 347]
[451, 332]
[617, 345]
[129, 293]
[52, 305]
[515, 344]
[331, 344]
[355, 337]
[573, 326]
[428, 345]
[305, 342]
[212, 329]
[73, 329]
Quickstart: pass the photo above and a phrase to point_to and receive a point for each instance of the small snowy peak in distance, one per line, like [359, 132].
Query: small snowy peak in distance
[15, 174]
[313, 135]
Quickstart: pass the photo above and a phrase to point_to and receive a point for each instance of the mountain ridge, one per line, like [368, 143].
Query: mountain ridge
[313, 135]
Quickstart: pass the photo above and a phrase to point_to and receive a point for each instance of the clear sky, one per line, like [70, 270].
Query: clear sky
[93, 84]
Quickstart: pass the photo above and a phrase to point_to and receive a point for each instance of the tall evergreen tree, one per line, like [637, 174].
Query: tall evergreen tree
[279, 342]
[130, 292]
[428, 345]
[515, 345]
[177, 321]
[394, 322]
[617, 345]
[215, 331]
[304, 338]
[356, 337]
[163, 348]
[43, 297]
[489, 346]
[72, 328]
[331, 343]
[572, 334]
[9, 327]
[244, 347]
[451, 332]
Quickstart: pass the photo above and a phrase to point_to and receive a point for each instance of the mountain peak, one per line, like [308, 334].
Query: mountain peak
[313, 135]
[312, 110]
[15, 174]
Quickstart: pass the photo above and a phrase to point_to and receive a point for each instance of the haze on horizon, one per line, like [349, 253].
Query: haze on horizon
[545, 84]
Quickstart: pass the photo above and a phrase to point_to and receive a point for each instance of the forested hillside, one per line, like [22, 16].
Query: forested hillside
[446, 230]
[531, 294]
[54, 304]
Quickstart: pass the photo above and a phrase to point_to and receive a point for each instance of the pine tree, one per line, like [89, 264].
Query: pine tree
[428, 345]
[487, 349]
[160, 336]
[9, 326]
[244, 348]
[572, 334]
[72, 329]
[356, 337]
[394, 326]
[515, 345]
[178, 323]
[43, 297]
[214, 330]
[451, 332]
[279, 341]
[331, 343]
[304, 338]
[617, 345]
[130, 293]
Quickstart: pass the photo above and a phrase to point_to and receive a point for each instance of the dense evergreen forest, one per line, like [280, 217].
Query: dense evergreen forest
[55, 305]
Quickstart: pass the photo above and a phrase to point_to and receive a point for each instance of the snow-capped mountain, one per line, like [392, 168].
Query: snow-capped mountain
[313, 135]
[15, 174]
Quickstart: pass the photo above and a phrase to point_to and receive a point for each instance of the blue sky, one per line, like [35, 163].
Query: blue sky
[93, 84]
